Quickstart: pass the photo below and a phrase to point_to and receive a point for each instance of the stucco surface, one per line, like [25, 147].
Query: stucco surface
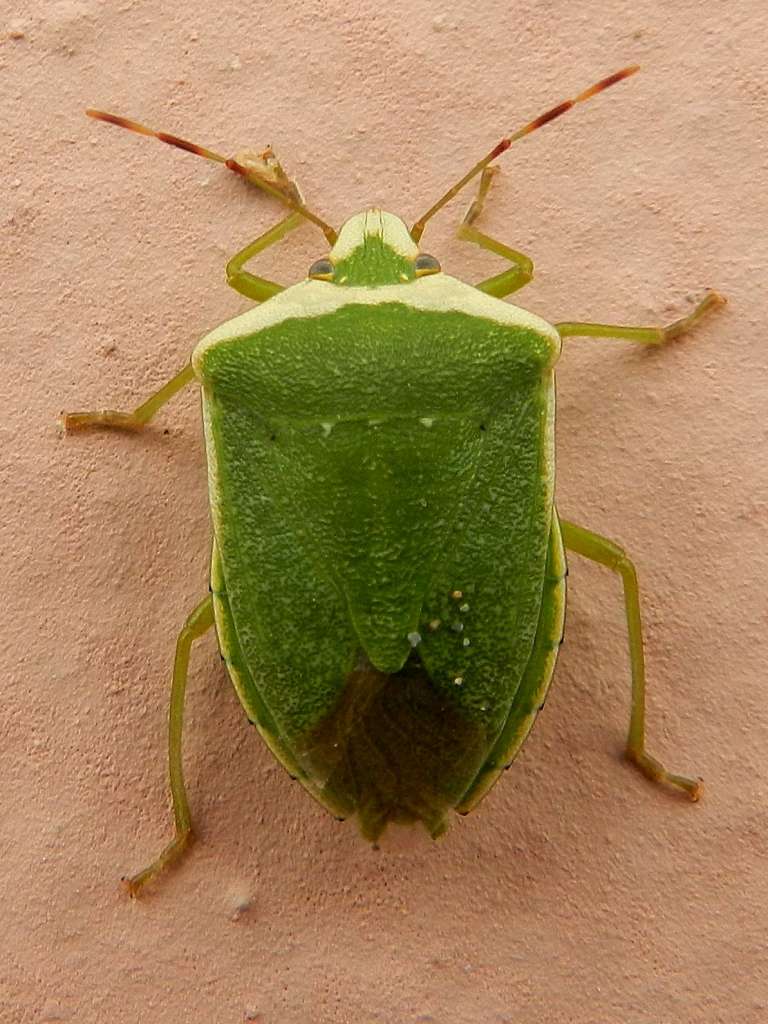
[577, 892]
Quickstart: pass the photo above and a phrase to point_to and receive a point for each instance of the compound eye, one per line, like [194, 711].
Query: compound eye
[321, 270]
[425, 264]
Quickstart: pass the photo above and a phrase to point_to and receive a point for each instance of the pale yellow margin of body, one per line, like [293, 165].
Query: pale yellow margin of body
[436, 292]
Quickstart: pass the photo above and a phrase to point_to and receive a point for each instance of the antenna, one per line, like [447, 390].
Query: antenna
[269, 176]
[418, 228]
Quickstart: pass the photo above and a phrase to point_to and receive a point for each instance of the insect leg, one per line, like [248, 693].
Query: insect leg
[199, 622]
[259, 288]
[521, 271]
[600, 549]
[135, 420]
[645, 335]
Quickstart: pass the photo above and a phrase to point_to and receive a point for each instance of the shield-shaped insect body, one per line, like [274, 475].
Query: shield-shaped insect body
[375, 440]
[388, 568]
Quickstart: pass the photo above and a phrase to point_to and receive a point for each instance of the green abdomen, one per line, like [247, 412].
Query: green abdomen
[393, 749]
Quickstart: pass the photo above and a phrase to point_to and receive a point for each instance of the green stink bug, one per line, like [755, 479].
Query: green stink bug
[388, 568]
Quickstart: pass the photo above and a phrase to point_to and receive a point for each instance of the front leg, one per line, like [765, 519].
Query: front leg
[521, 271]
[259, 289]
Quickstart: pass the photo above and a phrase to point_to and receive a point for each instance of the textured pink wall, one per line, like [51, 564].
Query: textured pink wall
[577, 892]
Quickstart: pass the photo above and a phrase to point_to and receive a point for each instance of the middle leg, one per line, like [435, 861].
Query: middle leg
[644, 335]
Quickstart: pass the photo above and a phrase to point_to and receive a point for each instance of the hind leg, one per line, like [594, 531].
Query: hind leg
[600, 549]
[198, 623]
